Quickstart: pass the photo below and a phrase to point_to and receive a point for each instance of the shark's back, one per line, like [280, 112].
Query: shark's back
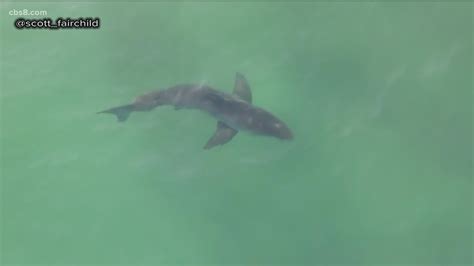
[242, 115]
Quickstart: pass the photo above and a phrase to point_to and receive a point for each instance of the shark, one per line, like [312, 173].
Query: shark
[234, 111]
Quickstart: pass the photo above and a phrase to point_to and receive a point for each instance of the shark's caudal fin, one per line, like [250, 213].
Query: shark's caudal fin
[122, 112]
[224, 133]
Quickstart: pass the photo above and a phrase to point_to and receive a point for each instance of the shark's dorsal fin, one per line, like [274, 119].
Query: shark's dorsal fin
[222, 135]
[242, 88]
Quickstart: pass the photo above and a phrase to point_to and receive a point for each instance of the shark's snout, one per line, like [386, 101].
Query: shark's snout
[277, 129]
[284, 132]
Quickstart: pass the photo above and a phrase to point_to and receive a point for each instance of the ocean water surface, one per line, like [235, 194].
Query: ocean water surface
[378, 95]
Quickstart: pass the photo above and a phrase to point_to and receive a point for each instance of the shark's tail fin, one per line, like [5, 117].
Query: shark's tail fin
[122, 112]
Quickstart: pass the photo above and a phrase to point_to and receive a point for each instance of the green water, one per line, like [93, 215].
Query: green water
[378, 95]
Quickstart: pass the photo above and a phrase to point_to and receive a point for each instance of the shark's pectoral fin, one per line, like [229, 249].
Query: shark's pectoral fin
[222, 135]
[242, 88]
